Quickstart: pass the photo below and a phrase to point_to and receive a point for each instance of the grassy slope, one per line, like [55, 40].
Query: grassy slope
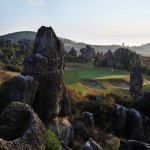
[75, 73]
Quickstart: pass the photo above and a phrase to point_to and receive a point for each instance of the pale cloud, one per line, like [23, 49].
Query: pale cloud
[39, 3]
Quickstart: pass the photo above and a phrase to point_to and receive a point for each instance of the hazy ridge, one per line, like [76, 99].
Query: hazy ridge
[143, 49]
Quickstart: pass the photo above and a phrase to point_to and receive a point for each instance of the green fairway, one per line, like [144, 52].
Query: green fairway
[72, 77]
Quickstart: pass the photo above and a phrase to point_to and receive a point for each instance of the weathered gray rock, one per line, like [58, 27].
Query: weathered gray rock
[98, 62]
[121, 59]
[130, 123]
[91, 145]
[136, 82]
[133, 145]
[35, 65]
[63, 129]
[21, 128]
[22, 89]
[48, 44]
[71, 56]
[87, 54]
[73, 52]
[46, 66]
[87, 119]
[119, 118]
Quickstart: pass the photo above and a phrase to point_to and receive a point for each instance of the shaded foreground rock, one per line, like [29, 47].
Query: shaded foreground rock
[21, 128]
[22, 89]
[91, 145]
[130, 123]
[133, 145]
[63, 129]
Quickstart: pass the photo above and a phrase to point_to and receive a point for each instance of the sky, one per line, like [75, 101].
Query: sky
[101, 22]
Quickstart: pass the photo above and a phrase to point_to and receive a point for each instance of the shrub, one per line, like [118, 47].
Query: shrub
[8, 51]
[52, 142]
[12, 68]
[113, 143]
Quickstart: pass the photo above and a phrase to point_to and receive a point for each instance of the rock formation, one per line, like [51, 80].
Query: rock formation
[87, 119]
[121, 59]
[46, 65]
[71, 56]
[21, 128]
[130, 123]
[41, 86]
[87, 54]
[23, 89]
[133, 145]
[136, 82]
[91, 145]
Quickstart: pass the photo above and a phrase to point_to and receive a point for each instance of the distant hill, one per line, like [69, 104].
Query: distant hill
[142, 50]
[19, 35]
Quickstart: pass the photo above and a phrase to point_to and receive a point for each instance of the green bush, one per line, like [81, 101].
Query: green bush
[113, 143]
[7, 51]
[12, 68]
[52, 142]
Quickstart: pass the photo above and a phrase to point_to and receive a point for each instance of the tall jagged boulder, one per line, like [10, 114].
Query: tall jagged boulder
[130, 123]
[136, 82]
[21, 128]
[46, 65]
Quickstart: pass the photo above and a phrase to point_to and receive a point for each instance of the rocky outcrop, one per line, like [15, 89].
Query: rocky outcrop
[87, 54]
[130, 123]
[87, 119]
[71, 56]
[22, 89]
[41, 86]
[63, 129]
[91, 145]
[46, 66]
[133, 145]
[121, 59]
[73, 52]
[21, 128]
[136, 82]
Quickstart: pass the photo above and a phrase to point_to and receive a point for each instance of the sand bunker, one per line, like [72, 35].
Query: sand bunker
[119, 84]
[92, 84]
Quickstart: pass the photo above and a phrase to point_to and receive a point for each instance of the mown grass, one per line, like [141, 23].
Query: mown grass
[71, 77]
[73, 80]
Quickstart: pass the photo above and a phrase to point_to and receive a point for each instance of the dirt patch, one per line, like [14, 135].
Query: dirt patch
[92, 84]
[119, 84]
